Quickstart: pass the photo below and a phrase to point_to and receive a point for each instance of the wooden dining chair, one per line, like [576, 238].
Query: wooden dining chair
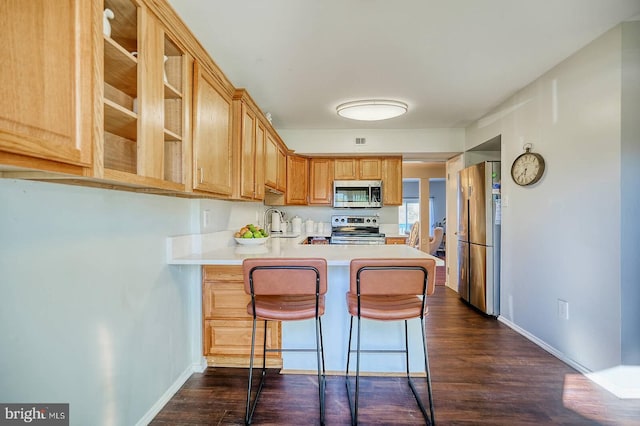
[414, 235]
[284, 289]
[389, 290]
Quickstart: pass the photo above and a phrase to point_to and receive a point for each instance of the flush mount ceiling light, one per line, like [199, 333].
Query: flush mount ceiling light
[371, 110]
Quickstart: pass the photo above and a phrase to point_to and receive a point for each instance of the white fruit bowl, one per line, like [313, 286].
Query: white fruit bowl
[251, 241]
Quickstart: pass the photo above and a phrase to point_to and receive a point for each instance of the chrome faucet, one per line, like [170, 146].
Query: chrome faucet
[267, 217]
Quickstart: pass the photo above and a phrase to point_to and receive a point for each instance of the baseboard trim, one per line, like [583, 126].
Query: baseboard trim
[623, 380]
[177, 384]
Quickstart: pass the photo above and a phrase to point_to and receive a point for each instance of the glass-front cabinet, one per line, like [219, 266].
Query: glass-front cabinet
[146, 78]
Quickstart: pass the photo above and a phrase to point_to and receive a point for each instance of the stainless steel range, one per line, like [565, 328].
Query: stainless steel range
[359, 230]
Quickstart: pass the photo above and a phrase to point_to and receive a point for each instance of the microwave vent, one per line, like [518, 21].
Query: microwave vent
[361, 141]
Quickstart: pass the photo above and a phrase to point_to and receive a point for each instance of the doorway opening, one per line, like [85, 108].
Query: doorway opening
[409, 211]
[437, 216]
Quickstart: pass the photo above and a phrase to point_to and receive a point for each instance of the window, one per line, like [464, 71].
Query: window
[408, 213]
[432, 215]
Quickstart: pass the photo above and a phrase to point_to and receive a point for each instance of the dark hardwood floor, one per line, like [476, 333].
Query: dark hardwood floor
[483, 373]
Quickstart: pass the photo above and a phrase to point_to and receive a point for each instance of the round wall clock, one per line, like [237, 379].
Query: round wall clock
[527, 168]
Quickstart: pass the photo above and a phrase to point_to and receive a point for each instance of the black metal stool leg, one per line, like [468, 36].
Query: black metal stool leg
[321, 371]
[427, 371]
[321, 344]
[251, 408]
[354, 420]
[248, 412]
[355, 405]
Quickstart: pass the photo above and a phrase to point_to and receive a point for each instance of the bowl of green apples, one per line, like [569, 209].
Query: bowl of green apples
[251, 235]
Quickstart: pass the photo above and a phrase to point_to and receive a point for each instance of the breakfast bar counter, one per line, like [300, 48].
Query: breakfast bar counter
[220, 249]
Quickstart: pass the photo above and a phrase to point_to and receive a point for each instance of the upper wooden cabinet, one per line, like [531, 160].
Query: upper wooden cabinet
[249, 147]
[358, 168]
[46, 110]
[282, 170]
[146, 100]
[370, 168]
[275, 174]
[261, 143]
[345, 168]
[321, 181]
[212, 142]
[297, 180]
[271, 162]
[392, 181]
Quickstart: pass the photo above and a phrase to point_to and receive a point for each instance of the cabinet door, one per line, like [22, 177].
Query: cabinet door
[46, 80]
[260, 161]
[247, 152]
[320, 181]
[271, 162]
[370, 168]
[150, 149]
[177, 77]
[345, 168]
[227, 327]
[392, 182]
[282, 170]
[297, 178]
[212, 135]
[227, 343]
[147, 96]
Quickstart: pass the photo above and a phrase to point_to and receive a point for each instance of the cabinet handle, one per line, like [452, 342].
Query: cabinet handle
[201, 175]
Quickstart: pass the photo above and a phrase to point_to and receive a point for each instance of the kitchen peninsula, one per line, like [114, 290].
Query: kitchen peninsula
[219, 250]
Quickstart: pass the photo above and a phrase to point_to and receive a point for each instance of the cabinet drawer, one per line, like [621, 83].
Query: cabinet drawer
[396, 240]
[224, 301]
[227, 273]
[233, 337]
[228, 343]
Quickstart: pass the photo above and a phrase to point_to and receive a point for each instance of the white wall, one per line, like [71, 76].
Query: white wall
[630, 194]
[561, 238]
[225, 215]
[391, 142]
[91, 313]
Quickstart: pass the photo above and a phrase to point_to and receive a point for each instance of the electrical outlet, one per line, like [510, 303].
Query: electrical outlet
[206, 218]
[563, 309]
[505, 200]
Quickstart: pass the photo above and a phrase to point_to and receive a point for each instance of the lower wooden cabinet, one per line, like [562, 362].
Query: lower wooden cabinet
[396, 240]
[226, 326]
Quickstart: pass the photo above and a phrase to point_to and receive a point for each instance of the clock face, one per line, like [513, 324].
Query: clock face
[527, 169]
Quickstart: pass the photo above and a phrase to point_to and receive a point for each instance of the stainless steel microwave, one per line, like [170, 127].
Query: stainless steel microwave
[357, 193]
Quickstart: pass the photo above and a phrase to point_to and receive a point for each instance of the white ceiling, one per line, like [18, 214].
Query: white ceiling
[450, 60]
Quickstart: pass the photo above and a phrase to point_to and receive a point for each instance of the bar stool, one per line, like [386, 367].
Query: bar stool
[390, 290]
[285, 290]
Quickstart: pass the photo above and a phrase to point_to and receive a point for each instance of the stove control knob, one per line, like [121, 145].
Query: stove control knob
[375, 220]
[342, 220]
[368, 220]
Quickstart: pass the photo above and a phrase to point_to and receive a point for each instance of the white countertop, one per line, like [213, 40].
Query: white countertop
[220, 249]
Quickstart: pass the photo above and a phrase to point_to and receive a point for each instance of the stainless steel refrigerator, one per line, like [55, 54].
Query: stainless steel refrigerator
[479, 219]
